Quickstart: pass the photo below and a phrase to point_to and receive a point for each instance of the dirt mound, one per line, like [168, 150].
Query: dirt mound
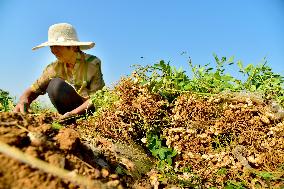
[61, 149]
[68, 139]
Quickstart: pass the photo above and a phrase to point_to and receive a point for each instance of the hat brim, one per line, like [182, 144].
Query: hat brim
[82, 45]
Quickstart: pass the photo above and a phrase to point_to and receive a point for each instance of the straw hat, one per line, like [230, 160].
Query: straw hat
[64, 34]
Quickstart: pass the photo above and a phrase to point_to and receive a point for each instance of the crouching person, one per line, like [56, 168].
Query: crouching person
[71, 79]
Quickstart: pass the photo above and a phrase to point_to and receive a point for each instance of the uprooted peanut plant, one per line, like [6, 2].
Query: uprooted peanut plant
[210, 130]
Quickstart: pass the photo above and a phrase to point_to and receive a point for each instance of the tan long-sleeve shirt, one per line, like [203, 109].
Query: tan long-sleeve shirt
[86, 76]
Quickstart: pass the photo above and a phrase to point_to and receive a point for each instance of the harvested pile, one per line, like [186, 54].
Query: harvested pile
[230, 139]
[221, 138]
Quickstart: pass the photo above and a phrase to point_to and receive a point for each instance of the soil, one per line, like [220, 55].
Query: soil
[35, 136]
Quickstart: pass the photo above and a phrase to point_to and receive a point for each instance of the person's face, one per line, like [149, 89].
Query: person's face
[62, 52]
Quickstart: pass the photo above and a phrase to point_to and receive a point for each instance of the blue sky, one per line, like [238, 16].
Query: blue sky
[126, 30]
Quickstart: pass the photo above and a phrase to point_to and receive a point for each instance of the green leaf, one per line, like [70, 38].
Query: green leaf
[240, 64]
[222, 171]
[216, 58]
[201, 70]
[248, 68]
[144, 82]
[209, 69]
[266, 175]
[169, 161]
[253, 88]
[187, 87]
[231, 59]
[162, 153]
[217, 76]
[227, 77]
[234, 185]
[56, 125]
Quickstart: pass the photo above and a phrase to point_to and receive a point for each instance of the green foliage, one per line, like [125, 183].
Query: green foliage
[234, 185]
[38, 107]
[121, 171]
[261, 78]
[35, 107]
[6, 102]
[163, 78]
[222, 171]
[187, 169]
[55, 125]
[266, 175]
[208, 80]
[103, 98]
[164, 154]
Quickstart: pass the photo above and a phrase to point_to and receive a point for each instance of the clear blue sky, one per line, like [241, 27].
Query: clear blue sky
[126, 30]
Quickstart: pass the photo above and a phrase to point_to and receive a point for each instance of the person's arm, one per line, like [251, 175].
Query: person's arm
[25, 100]
[36, 89]
[79, 110]
[83, 107]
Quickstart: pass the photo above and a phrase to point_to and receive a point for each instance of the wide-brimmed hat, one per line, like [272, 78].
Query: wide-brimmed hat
[64, 34]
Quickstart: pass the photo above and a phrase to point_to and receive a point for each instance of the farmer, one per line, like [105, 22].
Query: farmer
[69, 80]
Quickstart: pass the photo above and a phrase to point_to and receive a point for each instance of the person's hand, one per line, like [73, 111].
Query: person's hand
[25, 101]
[21, 107]
[67, 115]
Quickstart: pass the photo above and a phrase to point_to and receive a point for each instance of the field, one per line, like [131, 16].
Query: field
[157, 128]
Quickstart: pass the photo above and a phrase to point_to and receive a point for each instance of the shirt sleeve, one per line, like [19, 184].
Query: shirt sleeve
[40, 85]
